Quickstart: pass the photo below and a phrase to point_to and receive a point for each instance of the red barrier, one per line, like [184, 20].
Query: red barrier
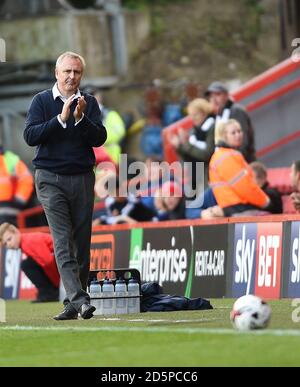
[170, 154]
[186, 223]
[38, 210]
[278, 144]
[274, 95]
[23, 215]
[265, 79]
[200, 222]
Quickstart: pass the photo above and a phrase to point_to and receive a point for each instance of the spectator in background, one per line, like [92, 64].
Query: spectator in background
[172, 111]
[156, 173]
[169, 202]
[225, 109]
[199, 144]
[39, 266]
[151, 139]
[207, 200]
[121, 209]
[192, 91]
[115, 128]
[260, 175]
[295, 177]
[16, 186]
[231, 178]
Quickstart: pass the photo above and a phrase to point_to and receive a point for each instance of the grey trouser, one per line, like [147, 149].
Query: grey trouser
[68, 202]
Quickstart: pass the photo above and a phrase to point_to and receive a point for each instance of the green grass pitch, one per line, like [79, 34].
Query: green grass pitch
[30, 337]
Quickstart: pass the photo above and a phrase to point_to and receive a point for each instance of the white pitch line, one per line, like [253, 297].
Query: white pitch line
[202, 320]
[212, 331]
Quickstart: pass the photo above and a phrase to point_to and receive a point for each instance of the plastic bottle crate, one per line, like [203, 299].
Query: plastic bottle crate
[106, 301]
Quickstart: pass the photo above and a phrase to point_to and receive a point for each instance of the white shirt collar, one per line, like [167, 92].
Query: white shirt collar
[56, 93]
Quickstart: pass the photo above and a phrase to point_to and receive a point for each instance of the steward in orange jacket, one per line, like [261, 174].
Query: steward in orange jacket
[16, 186]
[232, 181]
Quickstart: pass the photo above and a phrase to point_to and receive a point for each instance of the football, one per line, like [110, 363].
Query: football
[250, 312]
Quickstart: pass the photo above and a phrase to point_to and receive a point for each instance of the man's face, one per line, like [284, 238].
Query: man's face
[295, 178]
[171, 202]
[11, 240]
[68, 74]
[218, 100]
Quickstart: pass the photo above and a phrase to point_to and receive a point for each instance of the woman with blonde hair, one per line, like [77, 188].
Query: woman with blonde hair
[231, 177]
[198, 145]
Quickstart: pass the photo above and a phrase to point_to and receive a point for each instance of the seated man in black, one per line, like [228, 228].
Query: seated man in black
[260, 174]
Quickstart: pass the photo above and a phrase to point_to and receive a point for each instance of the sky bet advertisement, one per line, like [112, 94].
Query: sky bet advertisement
[294, 262]
[257, 260]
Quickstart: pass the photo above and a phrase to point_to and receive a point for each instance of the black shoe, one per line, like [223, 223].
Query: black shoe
[86, 311]
[69, 313]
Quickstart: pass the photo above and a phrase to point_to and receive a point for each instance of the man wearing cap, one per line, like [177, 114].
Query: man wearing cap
[225, 109]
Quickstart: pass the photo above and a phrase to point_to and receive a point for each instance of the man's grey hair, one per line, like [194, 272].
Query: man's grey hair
[70, 54]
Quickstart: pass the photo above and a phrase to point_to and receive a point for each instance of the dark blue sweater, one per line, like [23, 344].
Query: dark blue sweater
[64, 151]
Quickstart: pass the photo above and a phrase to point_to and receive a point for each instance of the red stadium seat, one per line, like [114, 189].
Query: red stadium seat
[279, 178]
[288, 207]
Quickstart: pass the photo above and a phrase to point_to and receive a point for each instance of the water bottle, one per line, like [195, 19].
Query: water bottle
[121, 291]
[133, 290]
[109, 304]
[95, 291]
